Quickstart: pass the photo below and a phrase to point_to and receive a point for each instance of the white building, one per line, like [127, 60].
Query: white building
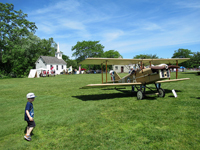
[122, 68]
[47, 62]
[125, 68]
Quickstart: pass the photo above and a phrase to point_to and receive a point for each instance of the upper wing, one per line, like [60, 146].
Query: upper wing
[173, 80]
[120, 61]
[109, 85]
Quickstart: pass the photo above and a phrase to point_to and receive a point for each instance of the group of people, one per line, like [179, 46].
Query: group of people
[45, 73]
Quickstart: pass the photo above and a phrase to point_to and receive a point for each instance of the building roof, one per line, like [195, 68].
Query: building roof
[52, 60]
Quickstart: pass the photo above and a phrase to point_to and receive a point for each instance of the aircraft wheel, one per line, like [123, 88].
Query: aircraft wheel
[140, 95]
[161, 92]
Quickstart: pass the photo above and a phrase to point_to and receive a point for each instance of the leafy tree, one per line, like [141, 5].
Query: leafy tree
[70, 62]
[14, 28]
[183, 53]
[85, 49]
[112, 54]
[65, 57]
[195, 60]
[146, 56]
[26, 54]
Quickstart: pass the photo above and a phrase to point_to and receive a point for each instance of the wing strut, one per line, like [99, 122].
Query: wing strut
[176, 69]
[106, 71]
[102, 72]
[141, 66]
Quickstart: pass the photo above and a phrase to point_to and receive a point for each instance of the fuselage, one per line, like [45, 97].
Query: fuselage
[146, 76]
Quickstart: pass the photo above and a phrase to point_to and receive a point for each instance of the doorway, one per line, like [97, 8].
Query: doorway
[122, 69]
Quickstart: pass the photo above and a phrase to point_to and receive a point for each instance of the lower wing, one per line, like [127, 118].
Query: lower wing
[109, 85]
[173, 80]
[126, 84]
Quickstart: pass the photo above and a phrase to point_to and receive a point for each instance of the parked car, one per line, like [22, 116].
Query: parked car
[98, 71]
[90, 71]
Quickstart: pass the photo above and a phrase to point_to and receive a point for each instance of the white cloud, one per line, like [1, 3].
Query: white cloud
[69, 5]
[110, 36]
[45, 28]
[73, 25]
[57, 7]
[152, 26]
[125, 30]
[188, 4]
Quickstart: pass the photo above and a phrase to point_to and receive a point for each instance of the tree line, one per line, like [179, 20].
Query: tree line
[194, 61]
[20, 47]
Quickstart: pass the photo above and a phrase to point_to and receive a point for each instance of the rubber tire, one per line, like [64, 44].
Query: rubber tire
[161, 92]
[140, 95]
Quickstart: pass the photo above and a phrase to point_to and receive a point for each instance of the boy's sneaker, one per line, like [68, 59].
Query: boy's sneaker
[27, 137]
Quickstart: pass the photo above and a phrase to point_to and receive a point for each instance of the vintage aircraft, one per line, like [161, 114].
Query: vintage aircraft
[138, 78]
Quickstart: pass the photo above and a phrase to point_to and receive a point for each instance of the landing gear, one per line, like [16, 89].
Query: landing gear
[161, 92]
[141, 91]
[140, 95]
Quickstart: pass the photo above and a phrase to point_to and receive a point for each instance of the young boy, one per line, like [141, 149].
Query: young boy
[29, 114]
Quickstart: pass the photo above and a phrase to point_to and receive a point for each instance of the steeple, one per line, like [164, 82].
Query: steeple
[58, 53]
[58, 49]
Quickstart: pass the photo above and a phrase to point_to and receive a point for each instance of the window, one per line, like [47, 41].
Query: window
[116, 67]
[56, 67]
[62, 66]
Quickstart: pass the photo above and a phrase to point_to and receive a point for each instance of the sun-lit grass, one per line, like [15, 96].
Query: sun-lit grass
[71, 118]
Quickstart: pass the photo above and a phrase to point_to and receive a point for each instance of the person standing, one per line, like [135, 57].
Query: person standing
[29, 114]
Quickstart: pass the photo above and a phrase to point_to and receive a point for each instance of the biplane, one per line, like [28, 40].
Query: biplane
[156, 73]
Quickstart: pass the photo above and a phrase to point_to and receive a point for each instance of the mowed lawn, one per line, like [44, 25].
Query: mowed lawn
[71, 118]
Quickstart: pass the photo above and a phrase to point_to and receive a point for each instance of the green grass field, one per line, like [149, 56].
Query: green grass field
[71, 118]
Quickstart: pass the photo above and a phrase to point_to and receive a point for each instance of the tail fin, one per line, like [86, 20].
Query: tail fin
[114, 76]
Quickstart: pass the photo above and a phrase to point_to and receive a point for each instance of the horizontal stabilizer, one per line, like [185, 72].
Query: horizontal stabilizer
[172, 80]
[109, 85]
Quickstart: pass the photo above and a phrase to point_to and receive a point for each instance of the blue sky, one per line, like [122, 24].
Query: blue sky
[131, 27]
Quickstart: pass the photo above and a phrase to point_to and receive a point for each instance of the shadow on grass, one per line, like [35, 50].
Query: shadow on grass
[95, 97]
[195, 97]
[122, 94]
[170, 96]
[196, 73]
[170, 91]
